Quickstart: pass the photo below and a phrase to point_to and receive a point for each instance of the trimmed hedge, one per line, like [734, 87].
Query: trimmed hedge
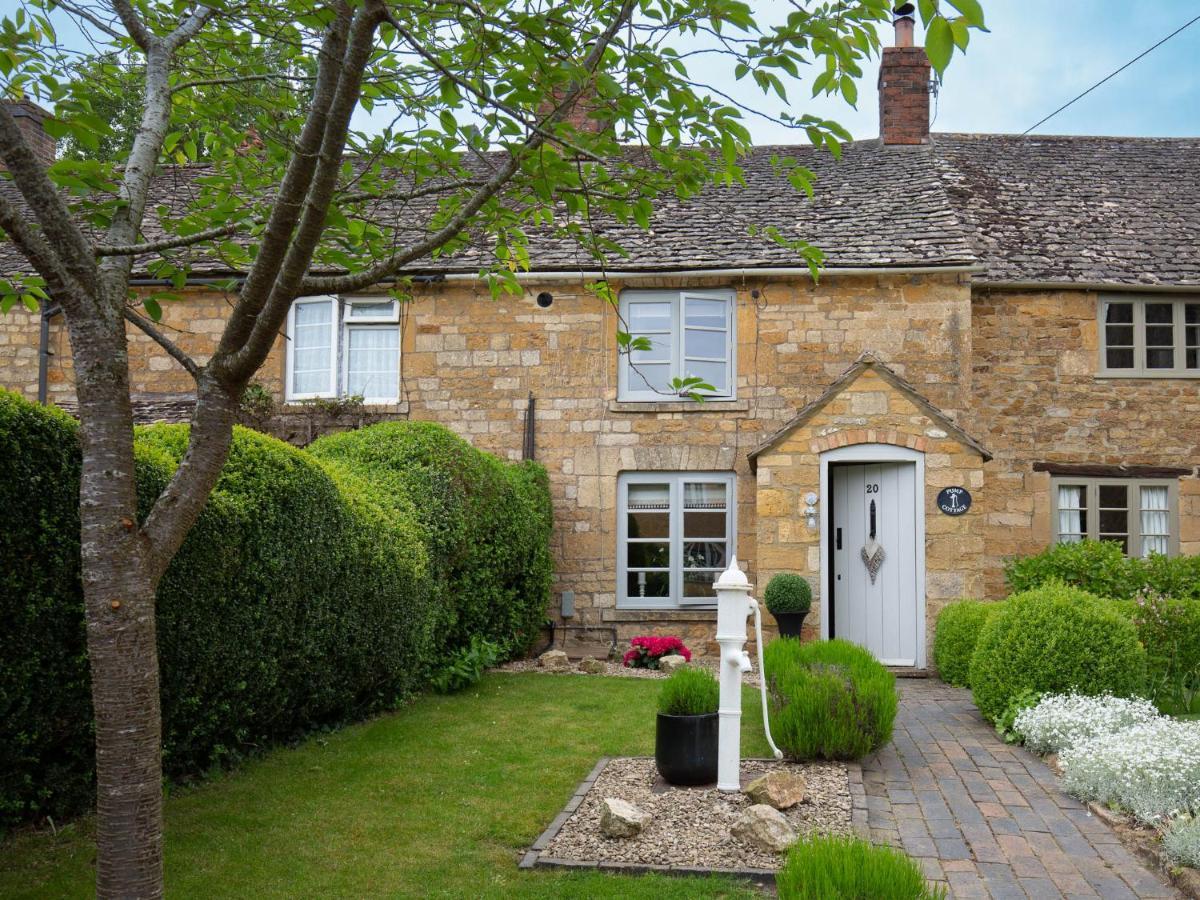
[829, 699]
[304, 597]
[487, 525]
[1055, 639]
[1101, 568]
[958, 628]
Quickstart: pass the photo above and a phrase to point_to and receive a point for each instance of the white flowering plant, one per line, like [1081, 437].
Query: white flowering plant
[1151, 769]
[1059, 722]
[1181, 841]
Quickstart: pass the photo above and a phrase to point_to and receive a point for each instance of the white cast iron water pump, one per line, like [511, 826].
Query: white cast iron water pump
[734, 605]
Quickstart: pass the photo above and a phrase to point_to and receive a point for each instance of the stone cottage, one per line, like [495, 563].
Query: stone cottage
[1002, 352]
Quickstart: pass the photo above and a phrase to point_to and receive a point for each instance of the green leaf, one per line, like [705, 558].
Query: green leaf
[152, 308]
[972, 11]
[939, 44]
[962, 34]
[849, 90]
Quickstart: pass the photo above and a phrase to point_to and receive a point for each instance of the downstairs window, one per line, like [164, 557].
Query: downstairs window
[676, 535]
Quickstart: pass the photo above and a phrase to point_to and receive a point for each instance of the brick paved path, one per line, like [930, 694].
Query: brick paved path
[987, 818]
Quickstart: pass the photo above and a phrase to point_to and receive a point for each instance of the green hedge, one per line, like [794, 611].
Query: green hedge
[829, 699]
[304, 597]
[487, 524]
[1055, 639]
[958, 628]
[1101, 568]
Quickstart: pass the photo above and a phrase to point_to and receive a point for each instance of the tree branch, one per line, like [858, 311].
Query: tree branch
[133, 24]
[335, 284]
[172, 349]
[45, 203]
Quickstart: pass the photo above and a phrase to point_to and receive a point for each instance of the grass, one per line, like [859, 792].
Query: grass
[435, 800]
[830, 867]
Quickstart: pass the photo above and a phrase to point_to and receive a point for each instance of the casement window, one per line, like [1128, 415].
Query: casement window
[691, 334]
[1150, 337]
[676, 534]
[1141, 515]
[344, 348]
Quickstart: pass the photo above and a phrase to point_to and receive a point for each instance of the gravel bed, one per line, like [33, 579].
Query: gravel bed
[690, 826]
[615, 670]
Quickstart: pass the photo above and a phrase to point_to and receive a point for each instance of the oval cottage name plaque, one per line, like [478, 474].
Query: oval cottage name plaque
[954, 501]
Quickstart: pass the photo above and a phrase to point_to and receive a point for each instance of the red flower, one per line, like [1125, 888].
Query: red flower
[648, 649]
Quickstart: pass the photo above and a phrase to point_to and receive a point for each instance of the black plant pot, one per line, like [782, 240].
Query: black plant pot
[685, 748]
[790, 623]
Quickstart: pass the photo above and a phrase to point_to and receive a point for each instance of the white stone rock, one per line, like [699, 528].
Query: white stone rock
[621, 819]
[592, 666]
[779, 789]
[671, 662]
[554, 660]
[765, 827]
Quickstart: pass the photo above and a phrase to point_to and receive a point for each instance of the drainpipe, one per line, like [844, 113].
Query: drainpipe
[44, 353]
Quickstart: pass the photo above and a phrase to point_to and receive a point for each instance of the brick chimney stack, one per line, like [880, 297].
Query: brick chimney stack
[29, 118]
[904, 86]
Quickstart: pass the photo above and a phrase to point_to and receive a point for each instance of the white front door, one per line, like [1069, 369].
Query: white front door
[874, 531]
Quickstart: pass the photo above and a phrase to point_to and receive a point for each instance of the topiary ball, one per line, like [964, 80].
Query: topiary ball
[958, 628]
[788, 593]
[1055, 639]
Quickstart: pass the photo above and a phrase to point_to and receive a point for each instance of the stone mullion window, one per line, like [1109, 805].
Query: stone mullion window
[1149, 337]
[676, 533]
[1139, 514]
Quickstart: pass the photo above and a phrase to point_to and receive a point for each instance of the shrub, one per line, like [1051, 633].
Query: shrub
[645, 651]
[1169, 628]
[1152, 769]
[1181, 841]
[487, 525]
[1061, 721]
[958, 628]
[689, 692]
[1055, 639]
[465, 666]
[1006, 721]
[788, 593]
[1101, 568]
[829, 867]
[302, 598]
[829, 699]
[1098, 567]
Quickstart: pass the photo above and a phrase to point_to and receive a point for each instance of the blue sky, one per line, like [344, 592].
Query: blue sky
[1039, 55]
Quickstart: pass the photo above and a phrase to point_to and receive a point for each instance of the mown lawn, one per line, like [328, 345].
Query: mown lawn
[436, 800]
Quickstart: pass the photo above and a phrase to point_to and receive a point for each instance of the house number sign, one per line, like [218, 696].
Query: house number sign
[954, 501]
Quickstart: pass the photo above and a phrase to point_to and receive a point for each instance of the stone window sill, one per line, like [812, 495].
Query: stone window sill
[1186, 375]
[678, 406]
[659, 615]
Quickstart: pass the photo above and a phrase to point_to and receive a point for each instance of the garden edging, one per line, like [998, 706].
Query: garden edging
[1147, 848]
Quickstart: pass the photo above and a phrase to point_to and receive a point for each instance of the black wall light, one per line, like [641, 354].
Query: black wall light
[544, 299]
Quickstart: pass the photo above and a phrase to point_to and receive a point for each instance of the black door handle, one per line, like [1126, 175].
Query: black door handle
[839, 539]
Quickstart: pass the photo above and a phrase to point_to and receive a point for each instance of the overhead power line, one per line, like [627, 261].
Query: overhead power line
[1112, 74]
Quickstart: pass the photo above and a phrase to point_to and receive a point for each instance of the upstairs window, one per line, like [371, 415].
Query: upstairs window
[1150, 337]
[1140, 515]
[344, 348]
[676, 534]
[691, 335]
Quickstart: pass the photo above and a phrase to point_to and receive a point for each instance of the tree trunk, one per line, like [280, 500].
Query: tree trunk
[118, 596]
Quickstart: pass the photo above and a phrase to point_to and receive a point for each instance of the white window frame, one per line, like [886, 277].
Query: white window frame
[369, 323]
[1133, 499]
[630, 387]
[342, 322]
[676, 481]
[290, 365]
[1179, 335]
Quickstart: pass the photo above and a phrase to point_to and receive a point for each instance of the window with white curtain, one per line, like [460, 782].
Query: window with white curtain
[344, 348]
[676, 534]
[691, 335]
[1138, 514]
